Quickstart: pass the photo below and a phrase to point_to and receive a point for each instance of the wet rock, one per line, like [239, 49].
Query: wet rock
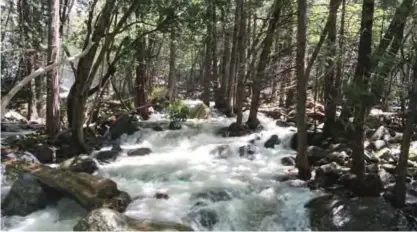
[44, 153]
[212, 195]
[370, 157]
[397, 138]
[377, 145]
[370, 186]
[282, 123]
[175, 125]
[103, 219]
[139, 152]
[386, 178]
[288, 161]
[125, 124]
[157, 128]
[389, 168]
[315, 153]
[312, 139]
[384, 154]
[284, 177]
[248, 151]
[110, 155]
[374, 168]
[221, 151]
[328, 175]
[161, 196]
[154, 225]
[236, 130]
[82, 163]
[272, 141]
[201, 111]
[340, 158]
[66, 151]
[26, 196]
[205, 217]
[335, 213]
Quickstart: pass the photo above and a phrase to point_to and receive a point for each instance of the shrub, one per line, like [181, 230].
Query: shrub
[178, 111]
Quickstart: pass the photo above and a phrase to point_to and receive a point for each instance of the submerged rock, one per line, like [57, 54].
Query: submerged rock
[139, 152]
[110, 155]
[354, 214]
[213, 195]
[272, 141]
[205, 217]
[175, 125]
[248, 151]
[26, 196]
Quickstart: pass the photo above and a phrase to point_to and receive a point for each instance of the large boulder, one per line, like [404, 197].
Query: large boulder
[315, 153]
[44, 153]
[272, 141]
[108, 155]
[370, 186]
[328, 175]
[104, 219]
[125, 124]
[212, 195]
[288, 161]
[26, 196]
[355, 214]
[82, 163]
[201, 111]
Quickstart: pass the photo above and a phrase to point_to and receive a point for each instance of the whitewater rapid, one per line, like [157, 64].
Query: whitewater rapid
[184, 166]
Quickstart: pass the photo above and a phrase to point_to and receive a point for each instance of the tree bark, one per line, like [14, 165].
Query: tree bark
[401, 170]
[52, 105]
[141, 79]
[171, 74]
[301, 158]
[240, 93]
[330, 91]
[360, 81]
[253, 121]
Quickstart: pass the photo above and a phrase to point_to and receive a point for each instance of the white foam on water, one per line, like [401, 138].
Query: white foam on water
[183, 165]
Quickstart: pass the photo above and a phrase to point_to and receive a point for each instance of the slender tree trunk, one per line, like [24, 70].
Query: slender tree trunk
[240, 94]
[214, 68]
[141, 79]
[171, 75]
[301, 158]
[52, 106]
[223, 94]
[340, 60]
[361, 80]
[208, 63]
[253, 121]
[400, 185]
[330, 92]
[232, 66]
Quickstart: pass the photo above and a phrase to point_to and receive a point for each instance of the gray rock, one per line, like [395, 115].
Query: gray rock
[205, 217]
[213, 195]
[102, 219]
[272, 141]
[328, 174]
[82, 163]
[288, 161]
[25, 197]
[109, 155]
[139, 152]
[248, 151]
[125, 124]
[44, 153]
[355, 214]
[315, 153]
[379, 133]
[174, 125]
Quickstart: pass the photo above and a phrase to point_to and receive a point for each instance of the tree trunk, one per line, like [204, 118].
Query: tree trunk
[208, 63]
[214, 68]
[52, 105]
[253, 121]
[171, 75]
[360, 81]
[400, 185]
[232, 66]
[240, 93]
[330, 92]
[301, 158]
[222, 95]
[340, 60]
[141, 80]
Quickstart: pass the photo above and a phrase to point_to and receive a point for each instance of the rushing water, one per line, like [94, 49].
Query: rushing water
[183, 166]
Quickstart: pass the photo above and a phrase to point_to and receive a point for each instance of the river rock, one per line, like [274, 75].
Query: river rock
[82, 163]
[139, 152]
[336, 213]
[340, 158]
[283, 123]
[44, 153]
[25, 197]
[315, 153]
[157, 128]
[377, 145]
[204, 216]
[201, 111]
[109, 155]
[379, 133]
[248, 151]
[220, 151]
[328, 174]
[272, 141]
[386, 178]
[213, 195]
[370, 186]
[125, 124]
[288, 161]
[175, 125]
[389, 168]
[161, 196]
[102, 219]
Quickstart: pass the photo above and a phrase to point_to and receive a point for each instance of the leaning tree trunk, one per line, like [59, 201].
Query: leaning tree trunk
[400, 185]
[301, 158]
[360, 83]
[52, 105]
[253, 121]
